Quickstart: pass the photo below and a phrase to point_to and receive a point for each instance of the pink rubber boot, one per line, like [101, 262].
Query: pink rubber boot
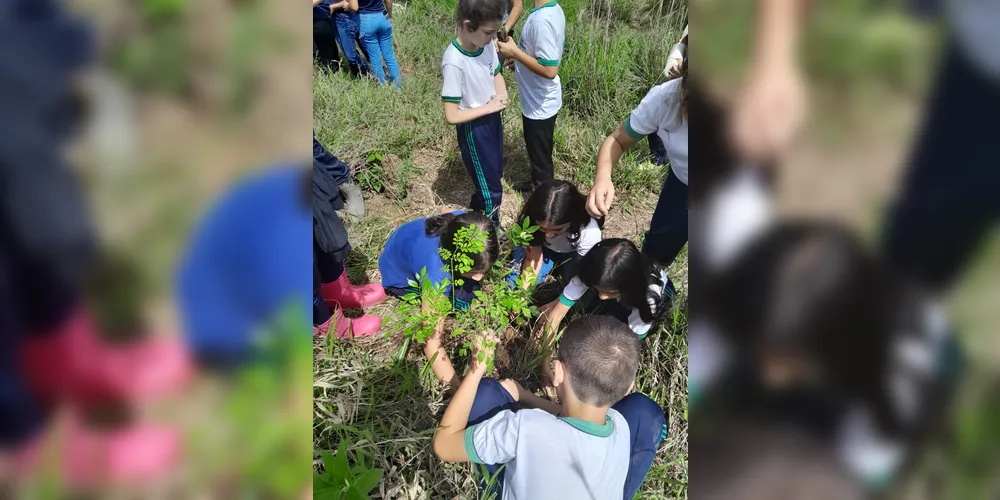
[349, 296]
[74, 363]
[347, 328]
[131, 455]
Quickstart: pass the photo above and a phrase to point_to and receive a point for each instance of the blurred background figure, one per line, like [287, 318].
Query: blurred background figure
[122, 120]
[903, 375]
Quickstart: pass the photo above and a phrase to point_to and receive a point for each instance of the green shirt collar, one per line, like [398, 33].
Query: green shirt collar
[466, 52]
[591, 428]
[553, 3]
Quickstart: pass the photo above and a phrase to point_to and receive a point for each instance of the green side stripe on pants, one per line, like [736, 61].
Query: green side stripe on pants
[483, 187]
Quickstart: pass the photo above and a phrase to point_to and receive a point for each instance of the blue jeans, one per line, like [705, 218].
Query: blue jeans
[348, 32]
[647, 427]
[376, 31]
[564, 264]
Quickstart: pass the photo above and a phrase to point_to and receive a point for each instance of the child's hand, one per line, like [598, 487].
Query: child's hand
[482, 348]
[601, 196]
[513, 388]
[547, 307]
[508, 48]
[496, 104]
[509, 63]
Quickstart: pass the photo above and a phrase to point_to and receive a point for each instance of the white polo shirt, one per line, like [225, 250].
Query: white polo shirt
[660, 113]
[468, 76]
[576, 288]
[553, 457]
[542, 38]
[590, 235]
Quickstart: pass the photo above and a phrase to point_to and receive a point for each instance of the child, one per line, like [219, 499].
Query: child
[566, 232]
[474, 93]
[599, 443]
[829, 339]
[751, 461]
[375, 18]
[662, 112]
[616, 269]
[414, 246]
[536, 59]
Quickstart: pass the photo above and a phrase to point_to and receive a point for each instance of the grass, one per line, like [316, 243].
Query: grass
[400, 145]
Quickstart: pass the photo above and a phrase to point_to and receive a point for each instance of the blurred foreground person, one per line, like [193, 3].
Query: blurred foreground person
[244, 265]
[755, 462]
[58, 363]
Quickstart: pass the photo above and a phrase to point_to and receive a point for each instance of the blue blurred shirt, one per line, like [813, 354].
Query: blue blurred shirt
[248, 259]
[370, 6]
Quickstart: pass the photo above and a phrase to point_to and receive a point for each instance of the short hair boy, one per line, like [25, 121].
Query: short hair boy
[597, 444]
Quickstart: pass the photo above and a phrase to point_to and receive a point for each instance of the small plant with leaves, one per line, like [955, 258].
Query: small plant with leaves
[340, 480]
[497, 305]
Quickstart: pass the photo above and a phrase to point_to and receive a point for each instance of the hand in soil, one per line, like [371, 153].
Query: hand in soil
[483, 346]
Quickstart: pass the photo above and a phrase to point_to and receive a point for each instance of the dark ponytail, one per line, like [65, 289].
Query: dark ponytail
[617, 264]
[557, 202]
[446, 225]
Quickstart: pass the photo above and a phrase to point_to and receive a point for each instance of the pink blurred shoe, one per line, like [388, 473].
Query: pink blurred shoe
[132, 455]
[74, 362]
[350, 296]
[347, 328]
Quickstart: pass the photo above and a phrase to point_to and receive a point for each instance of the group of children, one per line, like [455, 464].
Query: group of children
[600, 440]
[356, 23]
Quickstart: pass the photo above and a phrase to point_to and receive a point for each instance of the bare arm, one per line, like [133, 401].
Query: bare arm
[353, 5]
[455, 116]
[388, 8]
[602, 195]
[515, 13]
[339, 6]
[511, 51]
[449, 441]
[500, 87]
[438, 357]
[532, 264]
[316, 2]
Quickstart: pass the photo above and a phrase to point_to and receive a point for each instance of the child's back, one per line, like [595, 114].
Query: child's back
[409, 250]
[554, 457]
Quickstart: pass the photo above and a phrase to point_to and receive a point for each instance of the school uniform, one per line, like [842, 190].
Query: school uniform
[925, 363]
[534, 454]
[660, 113]
[325, 37]
[657, 296]
[407, 252]
[560, 255]
[468, 81]
[542, 38]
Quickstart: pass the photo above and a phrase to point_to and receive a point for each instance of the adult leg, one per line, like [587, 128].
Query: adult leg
[491, 398]
[538, 140]
[369, 36]
[647, 427]
[951, 193]
[388, 51]
[325, 44]
[668, 231]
